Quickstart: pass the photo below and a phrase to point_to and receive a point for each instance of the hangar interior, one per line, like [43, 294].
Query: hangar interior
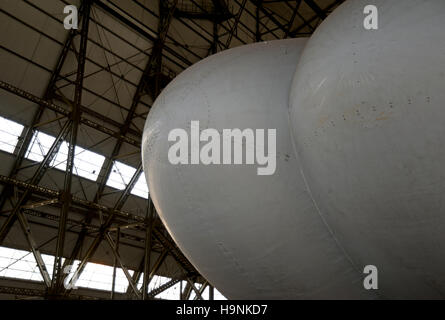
[72, 110]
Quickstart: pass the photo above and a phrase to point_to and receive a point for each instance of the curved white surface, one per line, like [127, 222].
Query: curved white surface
[368, 120]
[253, 237]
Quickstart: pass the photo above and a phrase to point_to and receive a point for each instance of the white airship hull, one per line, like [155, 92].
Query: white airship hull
[252, 236]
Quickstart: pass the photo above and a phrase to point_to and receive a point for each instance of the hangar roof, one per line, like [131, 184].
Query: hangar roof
[104, 77]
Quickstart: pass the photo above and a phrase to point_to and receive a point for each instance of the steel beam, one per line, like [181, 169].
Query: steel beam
[90, 205]
[162, 288]
[103, 231]
[154, 63]
[51, 106]
[123, 267]
[261, 8]
[41, 203]
[201, 290]
[153, 67]
[29, 132]
[75, 118]
[211, 292]
[148, 243]
[113, 285]
[257, 21]
[34, 180]
[307, 23]
[197, 292]
[186, 292]
[235, 24]
[320, 13]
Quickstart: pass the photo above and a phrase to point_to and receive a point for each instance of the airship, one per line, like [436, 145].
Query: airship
[350, 120]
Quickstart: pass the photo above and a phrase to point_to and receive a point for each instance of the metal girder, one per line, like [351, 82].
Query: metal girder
[291, 21]
[175, 253]
[78, 201]
[157, 233]
[75, 118]
[157, 265]
[253, 15]
[126, 193]
[153, 271]
[124, 196]
[123, 267]
[201, 290]
[257, 3]
[197, 292]
[34, 180]
[154, 63]
[113, 284]
[307, 23]
[153, 67]
[316, 8]
[148, 244]
[40, 204]
[170, 38]
[257, 21]
[218, 12]
[103, 230]
[29, 132]
[211, 292]
[127, 226]
[29, 292]
[92, 228]
[166, 9]
[162, 288]
[137, 274]
[139, 30]
[52, 106]
[235, 24]
[33, 246]
[45, 103]
[185, 294]
[203, 30]
[95, 114]
[22, 291]
[72, 223]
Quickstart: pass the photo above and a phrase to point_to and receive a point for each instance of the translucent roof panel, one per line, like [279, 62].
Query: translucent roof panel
[120, 175]
[10, 132]
[140, 188]
[87, 164]
[22, 265]
[39, 146]
[97, 276]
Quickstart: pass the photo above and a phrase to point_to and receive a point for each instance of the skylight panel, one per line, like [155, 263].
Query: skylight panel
[87, 164]
[120, 175]
[39, 146]
[97, 276]
[21, 264]
[140, 188]
[10, 132]
[61, 158]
